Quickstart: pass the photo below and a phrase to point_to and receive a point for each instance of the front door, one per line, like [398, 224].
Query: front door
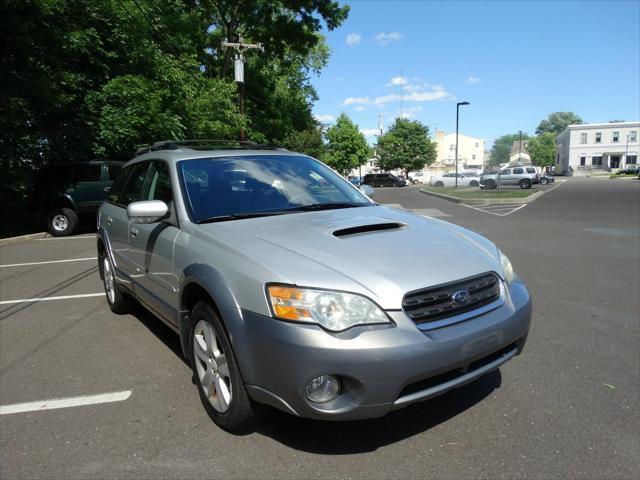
[151, 247]
[88, 190]
[614, 161]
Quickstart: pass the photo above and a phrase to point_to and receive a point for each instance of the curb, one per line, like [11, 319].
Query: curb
[22, 238]
[484, 201]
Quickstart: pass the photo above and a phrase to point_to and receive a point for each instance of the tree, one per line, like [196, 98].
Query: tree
[542, 149]
[556, 122]
[502, 148]
[346, 146]
[309, 141]
[406, 146]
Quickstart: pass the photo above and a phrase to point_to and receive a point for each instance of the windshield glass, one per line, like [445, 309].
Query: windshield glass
[226, 188]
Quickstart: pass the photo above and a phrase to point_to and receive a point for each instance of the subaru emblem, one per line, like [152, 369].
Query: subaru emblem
[461, 297]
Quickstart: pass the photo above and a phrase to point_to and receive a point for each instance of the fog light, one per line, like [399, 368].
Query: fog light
[322, 389]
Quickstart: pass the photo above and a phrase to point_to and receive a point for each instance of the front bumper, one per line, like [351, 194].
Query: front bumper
[381, 368]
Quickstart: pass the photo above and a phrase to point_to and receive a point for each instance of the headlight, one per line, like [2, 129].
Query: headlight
[334, 311]
[507, 268]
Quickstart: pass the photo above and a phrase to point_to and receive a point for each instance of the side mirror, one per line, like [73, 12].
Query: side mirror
[367, 190]
[148, 211]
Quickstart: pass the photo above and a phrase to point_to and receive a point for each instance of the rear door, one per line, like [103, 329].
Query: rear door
[88, 191]
[151, 247]
[506, 177]
[518, 174]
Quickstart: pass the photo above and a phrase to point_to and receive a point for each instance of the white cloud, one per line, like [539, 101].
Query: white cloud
[397, 81]
[410, 112]
[472, 79]
[359, 108]
[325, 118]
[418, 94]
[369, 132]
[356, 101]
[353, 39]
[386, 38]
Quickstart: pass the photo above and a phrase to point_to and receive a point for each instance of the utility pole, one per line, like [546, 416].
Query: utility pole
[457, 116]
[240, 48]
[520, 147]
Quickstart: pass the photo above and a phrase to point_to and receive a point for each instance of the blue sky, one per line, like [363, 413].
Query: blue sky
[514, 61]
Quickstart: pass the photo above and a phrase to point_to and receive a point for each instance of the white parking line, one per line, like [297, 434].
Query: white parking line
[65, 402]
[489, 209]
[65, 238]
[50, 261]
[46, 299]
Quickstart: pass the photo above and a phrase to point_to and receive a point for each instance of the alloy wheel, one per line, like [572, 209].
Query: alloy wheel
[212, 367]
[109, 281]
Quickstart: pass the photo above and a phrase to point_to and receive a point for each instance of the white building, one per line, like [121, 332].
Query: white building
[519, 154]
[581, 149]
[470, 153]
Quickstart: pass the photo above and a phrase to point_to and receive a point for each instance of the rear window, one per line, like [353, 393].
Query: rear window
[518, 170]
[531, 170]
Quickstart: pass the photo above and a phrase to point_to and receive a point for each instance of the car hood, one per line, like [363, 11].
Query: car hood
[360, 250]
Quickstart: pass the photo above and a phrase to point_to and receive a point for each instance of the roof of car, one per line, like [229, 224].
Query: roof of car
[191, 149]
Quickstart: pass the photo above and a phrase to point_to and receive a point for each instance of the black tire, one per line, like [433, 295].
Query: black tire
[489, 184]
[473, 183]
[524, 183]
[120, 302]
[543, 181]
[439, 184]
[242, 412]
[62, 222]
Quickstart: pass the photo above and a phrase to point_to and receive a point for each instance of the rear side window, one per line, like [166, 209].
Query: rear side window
[531, 170]
[90, 173]
[135, 182]
[118, 185]
[518, 170]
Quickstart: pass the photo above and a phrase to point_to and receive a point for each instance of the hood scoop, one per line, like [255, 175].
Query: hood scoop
[360, 229]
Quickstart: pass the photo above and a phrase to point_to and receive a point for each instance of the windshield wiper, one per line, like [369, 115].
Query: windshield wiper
[324, 206]
[239, 216]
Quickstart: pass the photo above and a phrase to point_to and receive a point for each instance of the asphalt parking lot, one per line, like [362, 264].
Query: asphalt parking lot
[569, 407]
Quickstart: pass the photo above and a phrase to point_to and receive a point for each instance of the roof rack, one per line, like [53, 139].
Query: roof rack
[206, 145]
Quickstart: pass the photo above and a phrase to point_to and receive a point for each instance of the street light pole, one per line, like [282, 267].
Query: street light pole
[457, 118]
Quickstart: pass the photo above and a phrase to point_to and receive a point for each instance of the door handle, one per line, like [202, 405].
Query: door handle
[134, 232]
[107, 189]
[109, 220]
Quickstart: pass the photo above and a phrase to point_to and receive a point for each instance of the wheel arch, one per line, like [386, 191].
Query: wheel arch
[64, 201]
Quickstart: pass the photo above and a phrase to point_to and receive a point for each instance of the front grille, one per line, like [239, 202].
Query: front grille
[435, 303]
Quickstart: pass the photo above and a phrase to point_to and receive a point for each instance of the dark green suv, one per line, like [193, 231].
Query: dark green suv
[76, 190]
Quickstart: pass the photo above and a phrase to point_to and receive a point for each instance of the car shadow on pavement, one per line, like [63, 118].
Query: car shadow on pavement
[343, 438]
[165, 334]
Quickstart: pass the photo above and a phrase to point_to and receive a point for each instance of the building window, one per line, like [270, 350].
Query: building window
[583, 138]
[616, 136]
[598, 137]
[583, 161]
[632, 159]
[477, 144]
[473, 157]
[452, 147]
[633, 136]
[596, 161]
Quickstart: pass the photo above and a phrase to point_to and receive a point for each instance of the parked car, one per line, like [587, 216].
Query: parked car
[546, 178]
[508, 176]
[383, 180]
[72, 192]
[533, 174]
[417, 177]
[265, 287]
[357, 181]
[449, 180]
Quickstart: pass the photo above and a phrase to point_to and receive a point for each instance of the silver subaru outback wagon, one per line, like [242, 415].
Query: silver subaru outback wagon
[278, 275]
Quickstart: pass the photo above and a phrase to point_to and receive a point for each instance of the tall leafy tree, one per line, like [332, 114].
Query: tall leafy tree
[542, 149]
[502, 147]
[556, 122]
[309, 141]
[346, 146]
[406, 146]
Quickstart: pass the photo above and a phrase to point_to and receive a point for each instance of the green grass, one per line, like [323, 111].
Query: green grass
[476, 193]
[623, 175]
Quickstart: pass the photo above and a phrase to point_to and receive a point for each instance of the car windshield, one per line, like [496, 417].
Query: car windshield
[231, 188]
